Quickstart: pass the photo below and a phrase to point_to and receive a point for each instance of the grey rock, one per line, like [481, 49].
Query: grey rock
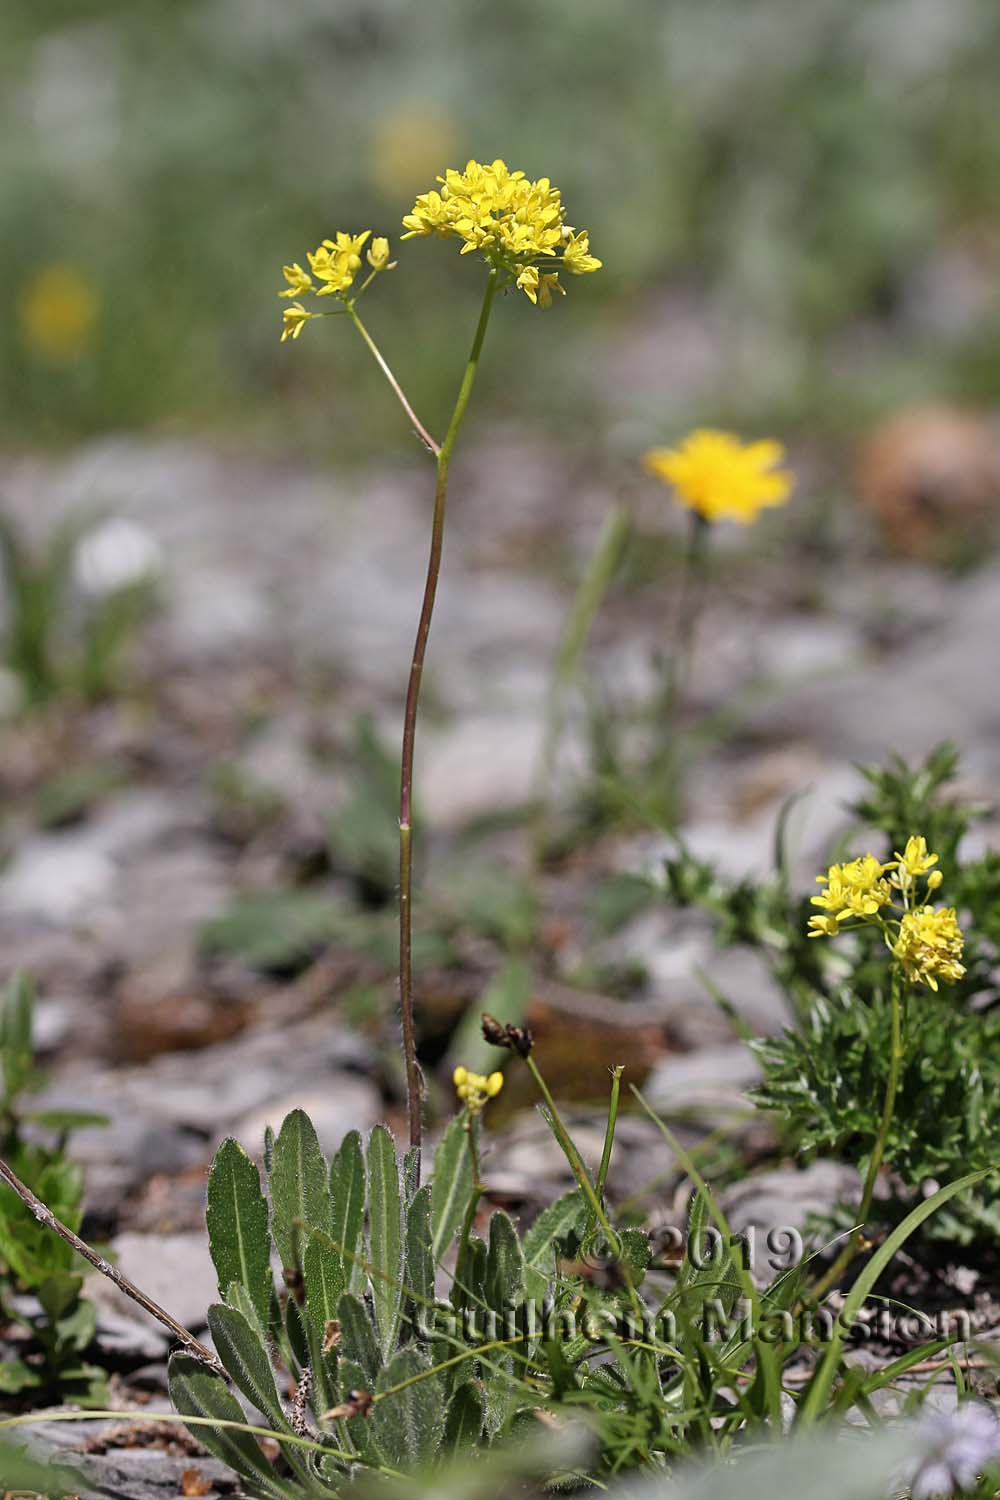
[712, 1081]
[772, 1209]
[58, 878]
[347, 1102]
[125, 1473]
[175, 1270]
[483, 764]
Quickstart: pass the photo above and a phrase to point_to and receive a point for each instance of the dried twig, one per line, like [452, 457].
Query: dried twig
[47, 1217]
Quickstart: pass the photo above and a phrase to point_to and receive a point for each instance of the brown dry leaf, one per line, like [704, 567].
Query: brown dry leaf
[194, 1483]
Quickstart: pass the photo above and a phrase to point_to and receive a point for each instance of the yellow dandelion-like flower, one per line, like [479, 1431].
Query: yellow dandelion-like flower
[58, 312]
[515, 223]
[929, 946]
[474, 1089]
[721, 478]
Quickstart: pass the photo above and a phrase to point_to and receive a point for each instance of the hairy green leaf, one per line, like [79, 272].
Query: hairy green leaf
[237, 1223]
[300, 1192]
[385, 1234]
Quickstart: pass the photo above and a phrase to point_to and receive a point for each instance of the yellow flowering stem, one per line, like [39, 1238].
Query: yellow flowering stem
[857, 1242]
[413, 1088]
[415, 422]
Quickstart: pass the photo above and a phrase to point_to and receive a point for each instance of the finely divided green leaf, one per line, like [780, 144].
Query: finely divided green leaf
[237, 1227]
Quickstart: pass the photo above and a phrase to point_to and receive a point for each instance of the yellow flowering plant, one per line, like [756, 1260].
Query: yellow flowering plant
[891, 1057]
[517, 225]
[715, 477]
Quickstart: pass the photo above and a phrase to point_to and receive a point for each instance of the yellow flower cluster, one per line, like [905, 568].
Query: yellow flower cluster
[333, 265]
[856, 889]
[473, 1089]
[720, 478]
[517, 225]
[927, 943]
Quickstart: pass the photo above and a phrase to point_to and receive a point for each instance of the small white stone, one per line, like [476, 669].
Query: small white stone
[115, 555]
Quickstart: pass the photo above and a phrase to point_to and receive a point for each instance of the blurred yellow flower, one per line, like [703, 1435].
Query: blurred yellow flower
[58, 312]
[408, 140]
[473, 1089]
[721, 478]
[929, 946]
[515, 223]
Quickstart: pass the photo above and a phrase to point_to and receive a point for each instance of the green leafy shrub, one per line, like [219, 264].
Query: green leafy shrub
[33, 1262]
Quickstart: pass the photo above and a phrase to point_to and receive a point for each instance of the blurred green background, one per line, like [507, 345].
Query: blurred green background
[798, 208]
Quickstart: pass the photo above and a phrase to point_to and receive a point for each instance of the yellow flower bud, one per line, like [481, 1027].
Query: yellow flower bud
[378, 254]
[934, 879]
[494, 1084]
[459, 1076]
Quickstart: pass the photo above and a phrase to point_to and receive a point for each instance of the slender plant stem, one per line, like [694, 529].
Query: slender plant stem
[690, 600]
[380, 360]
[609, 1133]
[574, 1158]
[857, 1242]
[413, 1083]
[46, 1217]
[470, 1212]
[587, 600]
